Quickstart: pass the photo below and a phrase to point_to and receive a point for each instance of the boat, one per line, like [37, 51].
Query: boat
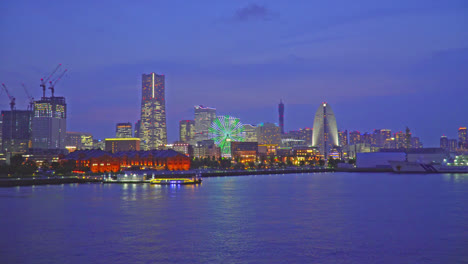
[176, 181]
[418, 167]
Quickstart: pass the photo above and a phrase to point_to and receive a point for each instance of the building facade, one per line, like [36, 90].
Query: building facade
[153, 130]
[78, 140]
[444, 143]
[16, 131]
[325, 134]
[123, 130]
[49, 124]
[462, 138]
[268, 134]
[204, 117]
[187, 131]
[114, 145]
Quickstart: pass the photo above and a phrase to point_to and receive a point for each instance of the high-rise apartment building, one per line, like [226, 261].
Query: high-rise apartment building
[16, 131]
[49, 124]
[123, 130]
[453, 145]
[281, 116]
[380, 136]
[204, 117]
[153, 112]
[187, 131]
[325, 134]
[343, 137]
[444, 143]
[354, 137]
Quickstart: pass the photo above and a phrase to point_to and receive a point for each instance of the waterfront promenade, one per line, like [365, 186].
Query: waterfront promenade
[27, 181]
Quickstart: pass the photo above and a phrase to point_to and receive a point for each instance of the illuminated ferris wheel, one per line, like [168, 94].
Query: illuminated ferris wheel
[224, 130]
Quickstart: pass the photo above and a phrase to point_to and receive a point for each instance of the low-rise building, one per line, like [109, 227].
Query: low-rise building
[103, 161]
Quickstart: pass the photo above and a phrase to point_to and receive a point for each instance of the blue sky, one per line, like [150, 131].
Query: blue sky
[380, 64]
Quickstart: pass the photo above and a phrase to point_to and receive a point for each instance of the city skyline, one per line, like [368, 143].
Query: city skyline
[395, 82]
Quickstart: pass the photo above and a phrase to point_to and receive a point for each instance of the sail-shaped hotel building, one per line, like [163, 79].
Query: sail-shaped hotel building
[325, 132]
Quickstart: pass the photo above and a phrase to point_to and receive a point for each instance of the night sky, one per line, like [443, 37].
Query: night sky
[380, 64]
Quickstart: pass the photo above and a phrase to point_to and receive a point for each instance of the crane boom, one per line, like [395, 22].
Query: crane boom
[44, 82]
[52, 83]
[12, 99]
[31, 99]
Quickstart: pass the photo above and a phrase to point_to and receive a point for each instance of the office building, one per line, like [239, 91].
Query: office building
[78, 140]
[204, 117]
[114, 145]
[281, 116]
[16, 131]
[123, 130]
[325, 134]
[49, 123]
[187, 131]
[250, 132]
[153, 112]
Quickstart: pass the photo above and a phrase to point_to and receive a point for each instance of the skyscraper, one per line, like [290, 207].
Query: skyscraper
[123, 130]
[204, 116]
[325, 133]
[444, 142]
[187, 131]
[16, 130]
[462, 138]
[281, 116]
[153, 112]
[49, 124]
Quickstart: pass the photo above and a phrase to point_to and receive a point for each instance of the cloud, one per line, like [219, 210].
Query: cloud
[253, 11]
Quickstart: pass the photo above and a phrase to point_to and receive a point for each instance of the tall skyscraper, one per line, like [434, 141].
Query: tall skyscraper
[49, 124]
[123, 130]
[462, 138]
[187, 131]
[325, 133]
[153, 112]
[281, 116]
[16, 130]
[204, 117]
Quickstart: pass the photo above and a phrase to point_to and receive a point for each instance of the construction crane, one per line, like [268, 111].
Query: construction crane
[31, 99]
[52, 84]
[44, 81]
[12, 99]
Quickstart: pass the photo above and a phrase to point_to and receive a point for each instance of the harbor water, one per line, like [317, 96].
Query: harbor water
[291, 218]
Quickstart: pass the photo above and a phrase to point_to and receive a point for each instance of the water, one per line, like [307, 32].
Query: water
[295, 218]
